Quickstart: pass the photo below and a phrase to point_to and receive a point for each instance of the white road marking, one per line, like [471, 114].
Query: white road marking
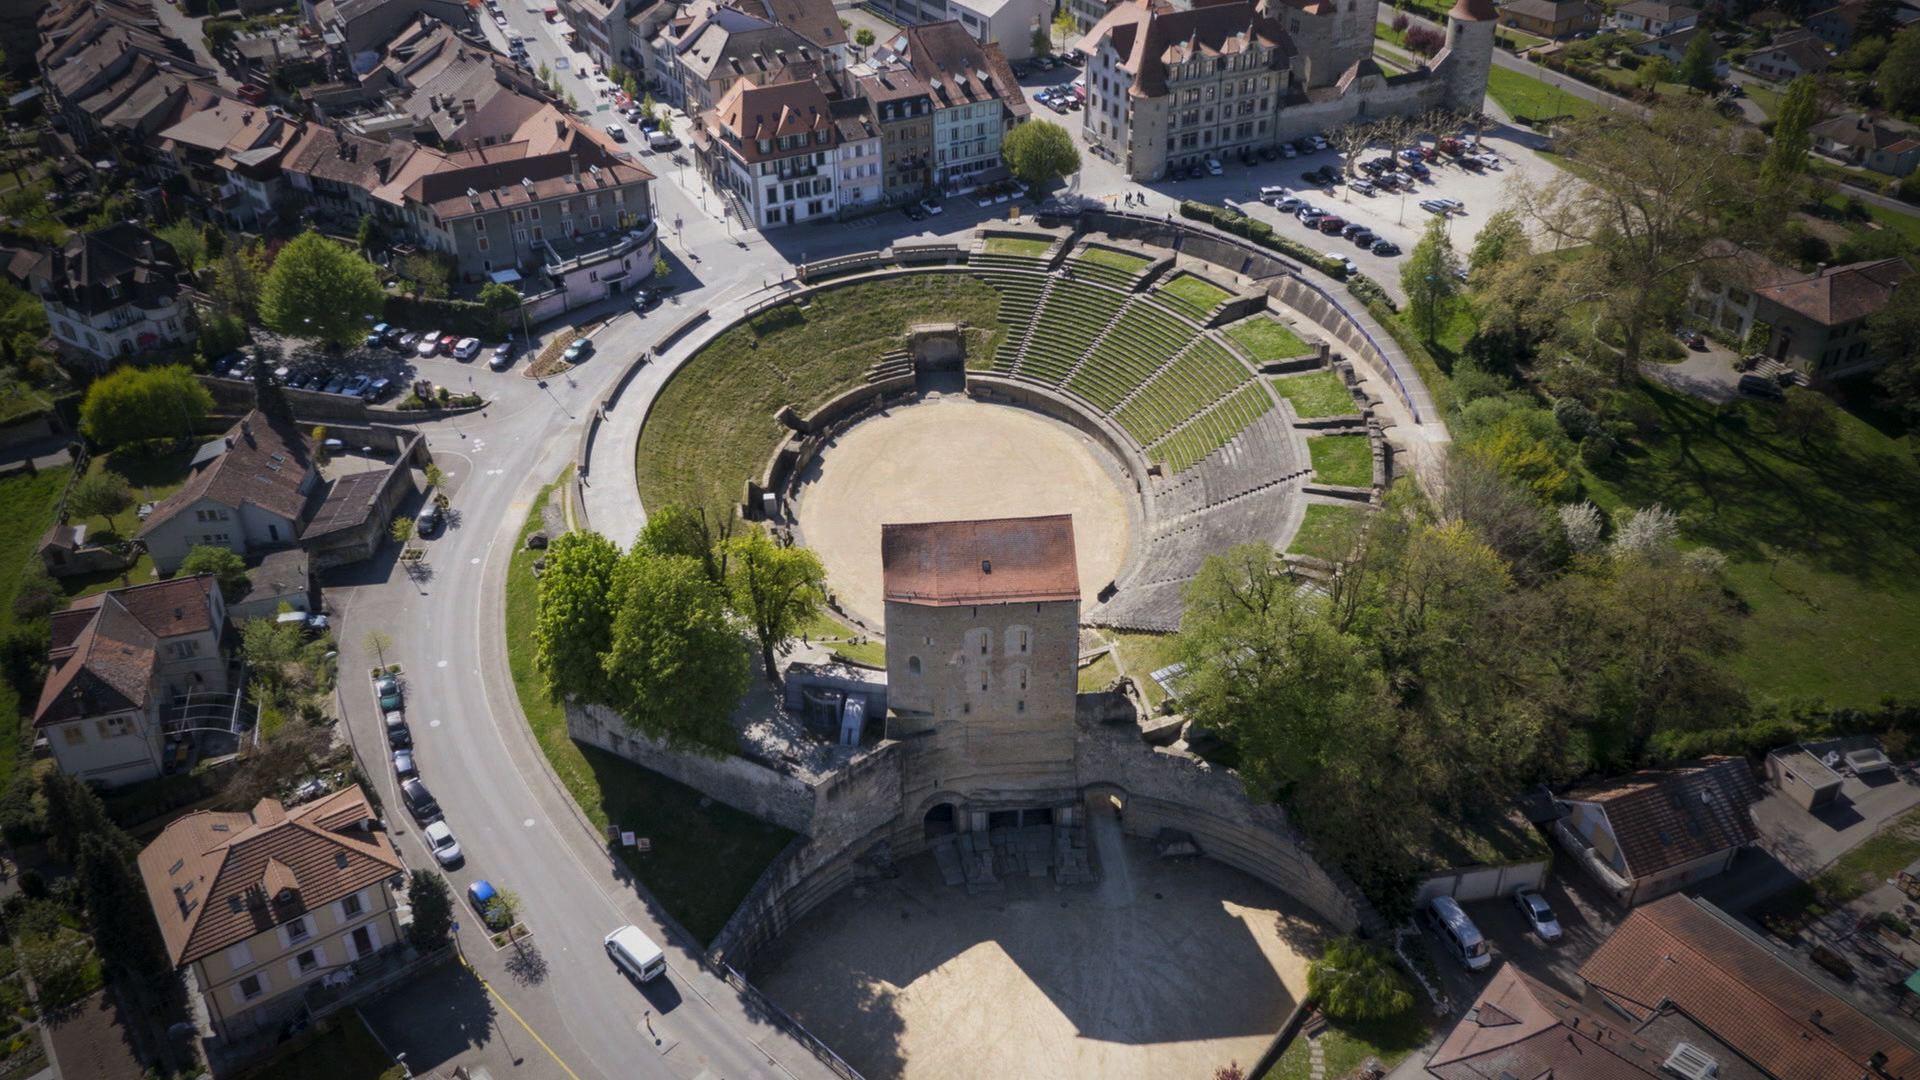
[527, 823]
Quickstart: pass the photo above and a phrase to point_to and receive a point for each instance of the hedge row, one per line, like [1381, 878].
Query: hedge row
[461, 317]
[1261, 233]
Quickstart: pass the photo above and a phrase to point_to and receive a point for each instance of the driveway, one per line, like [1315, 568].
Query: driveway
[1708, 375]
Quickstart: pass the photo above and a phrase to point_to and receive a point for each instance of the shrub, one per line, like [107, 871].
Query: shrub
[1356, 981]
[1370, 292]
[1573, 417]
[1596, 450]
[1260, 233]
[1425, 40]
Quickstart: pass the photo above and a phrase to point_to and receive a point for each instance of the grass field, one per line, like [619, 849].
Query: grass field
[1347, 1044]
[713, 426]
[1099, 674]
[348, 1052]
[1018, 245]
[1327, 531]
[1144, 654]
[1523, 95]
[827, 630]
[704, 859]
[1823, 544]
[152, 478]
[26, 510]
[1317, 394]
[1264, 338]
[1346, 460]
[1197, 292]
[1125, 262]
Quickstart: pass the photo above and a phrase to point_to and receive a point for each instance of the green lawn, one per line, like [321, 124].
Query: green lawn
[1263, 338]
[1099, 674]
[1143, 655]
[704, 859]
[1823, 544]
[1768, 100]
[1883, 855]
[713, 426]
[26, 510]
[347, 1052]
[1523, 95]
[825, 629]
[1906, 224]
[152, 477]
[1026, 247]
[1346, 460]
[1196, 292]
[1327, 531]
[1125, 262]
[1317, 394]
[1346, 1045]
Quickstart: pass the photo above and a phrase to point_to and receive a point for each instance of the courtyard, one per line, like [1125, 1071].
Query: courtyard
[950, 458]
[1162, 969]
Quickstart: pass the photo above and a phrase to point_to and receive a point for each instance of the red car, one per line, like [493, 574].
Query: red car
[1331, 224]
[447, 342]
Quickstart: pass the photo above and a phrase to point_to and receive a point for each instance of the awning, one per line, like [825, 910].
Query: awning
[504, 277]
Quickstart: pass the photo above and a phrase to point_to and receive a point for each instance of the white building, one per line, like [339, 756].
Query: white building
[976, 100]
[112, 292]
[859, 181]
[773, 149]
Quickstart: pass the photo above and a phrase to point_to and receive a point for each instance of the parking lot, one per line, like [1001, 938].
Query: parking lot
[1586, 919]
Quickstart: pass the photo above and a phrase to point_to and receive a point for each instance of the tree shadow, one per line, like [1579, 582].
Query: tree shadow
[443, 1014]
[527, 966]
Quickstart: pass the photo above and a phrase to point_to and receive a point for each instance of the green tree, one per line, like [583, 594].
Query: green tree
[676, 665]
[73, 812]
[649, 109]
[662, 269]
[1807, 416]
[1503, 237]
[371, 236]
[319, 289]
[1894, 332]
[1898, 78]
[1352, 980]
[1696, 64]
[504, 910]
[401, 530]
[778, 590]
[1063, 24]
[377, 642]
[1429, 278]
[1652, 73]
[1040, 153]
[103, 494]
[674, 529]
[1787, 155]
[227, 568]
[432, 905]
[189, 242]
[430, 273]
[863, 37]
[239, 275]
[574, 625]
[118, 908]
[132, 404]
[1038, 43]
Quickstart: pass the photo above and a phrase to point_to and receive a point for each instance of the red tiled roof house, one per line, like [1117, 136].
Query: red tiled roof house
[249, 491]
[1649, 833]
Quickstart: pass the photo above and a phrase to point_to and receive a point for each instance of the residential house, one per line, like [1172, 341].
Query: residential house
[1551, 18]
[281, 577]
[247, 491]
[1839, 26]
[903, 107]
[1654, 18]
[336, 173]
[229, 155]
[1673, 48]
[119, 663]
[975, 98]
[772, 147]
[111, 292]
[1788, 57]
[1649, 833]
[263, 905]
[700, 52]
[1683, 957]
[1815, 322]
[857, 155]
[112, 75]
[1882, 144]
[358, 29]
[432, 83]
[1010, 23]
[604, 28]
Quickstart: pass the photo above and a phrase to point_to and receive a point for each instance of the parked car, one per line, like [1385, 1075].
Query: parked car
[502, 358]
[1385, 247]
[448, 341]
[446, 850]
[1268, 153]
[481, 895]
[1432, 207]
[1287, 205]
[634, 953]
[1454, 205]
[1331, 224]
[578, 351]
[1352, 228]
[932, 206]
[376, 389]
[645, 300]
[354, 388]
[1287, 151]
[403, 766]
[428, 522]
[466, 348]
[1363, 239]
[1762, 387]
[1462, 938]
[1692, 339]
[1273, 193]
[420, 802]
[1334, 256]
[662, 140]
[1534, 908]
[399, 735]
[1364, 187]
[429, 343]
[407, 340]
[617, 133]
[1214, 168]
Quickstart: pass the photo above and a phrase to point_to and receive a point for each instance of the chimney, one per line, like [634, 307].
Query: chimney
[246, 429]
[469, 104]
[573, 167]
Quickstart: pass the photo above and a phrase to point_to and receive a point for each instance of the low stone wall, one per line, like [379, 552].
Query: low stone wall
[309, 406]
[797, 451]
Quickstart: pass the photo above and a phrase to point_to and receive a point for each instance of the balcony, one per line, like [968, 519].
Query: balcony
[567, 254]
[797, 172]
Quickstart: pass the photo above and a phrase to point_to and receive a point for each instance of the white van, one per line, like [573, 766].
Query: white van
[1462, 937]
[636, 954]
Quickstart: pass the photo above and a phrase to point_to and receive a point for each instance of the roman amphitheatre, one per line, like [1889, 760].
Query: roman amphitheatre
[1175, 406]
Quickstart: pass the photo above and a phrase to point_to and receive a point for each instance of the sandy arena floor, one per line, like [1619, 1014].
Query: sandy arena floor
[951, 459]
[1161, 970]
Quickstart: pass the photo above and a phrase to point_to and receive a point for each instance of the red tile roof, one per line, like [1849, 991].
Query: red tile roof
[779, 110]
[1520, 1027]
[105, 647]
[1680, 951]
[1841, 294]
[216, 879]
[265, 464]
[997, 561]
[1664, 817]
[1149, 36]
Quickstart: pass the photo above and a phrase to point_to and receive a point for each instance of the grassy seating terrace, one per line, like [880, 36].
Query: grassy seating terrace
[1025, 247]
[1263, 338]
[1116, 268]
[1346, 460]
[1184, 448]
[1200, 377]
[1192, 295]
[1068, 323]
[1317, 394]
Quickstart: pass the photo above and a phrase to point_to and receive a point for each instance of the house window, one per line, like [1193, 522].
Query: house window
[593, 221]
[363, 941]
[74, 734]
[298, 930]
[251, 987]
[240, 955]
[479, 225]
[352, 907]
[481, 243]
[913, 665]
[184, 649]
[113, 727]
[306, 962]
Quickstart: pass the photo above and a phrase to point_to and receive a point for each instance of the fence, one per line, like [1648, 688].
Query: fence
[765, 1007]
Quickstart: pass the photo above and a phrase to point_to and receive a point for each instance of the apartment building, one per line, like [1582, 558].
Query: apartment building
[249, 491]
[229, 154]
[698, 54]
[858, 154]
[902, 107]
[112, 75]
[973, 94]
[1010, 23]
[260, 907]
[110, 293]
[774, 148]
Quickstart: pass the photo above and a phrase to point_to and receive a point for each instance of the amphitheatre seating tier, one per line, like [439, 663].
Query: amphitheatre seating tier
[1073, 316]
[1139, 345]
[1020, 295]
[1267, 452]
[1200, 376]
[1103, 269]
[1205, 433]
[1156, 597]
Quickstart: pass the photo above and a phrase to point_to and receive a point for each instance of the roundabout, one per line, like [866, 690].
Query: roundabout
[950, 458]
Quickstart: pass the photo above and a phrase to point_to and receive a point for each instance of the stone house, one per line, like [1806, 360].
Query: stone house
[858, 155]
[698, 53]
[112, 74]
[117, 664]
[1654, 18]
[1839, 25]
[1816, 322]
[110, 293]
[261, 906]
[1882, 144]
[1789, 57]
[281, 577]
[1551, 18]
[903, 107]
[974, 96]
[1673, 49]
[1647, 834]
[249, 491]
[772, 147]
